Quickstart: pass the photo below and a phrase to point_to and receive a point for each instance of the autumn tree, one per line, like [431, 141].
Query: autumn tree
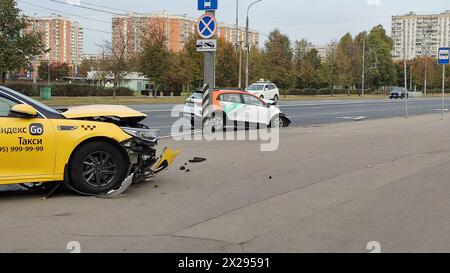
[307, 65]
[117, 59]
[227, 64]
[279, 54]
[346, 50]
[18, 46]
[258, 66]
[331, 66]
[379, 68]
[155, 60]
[57, 71]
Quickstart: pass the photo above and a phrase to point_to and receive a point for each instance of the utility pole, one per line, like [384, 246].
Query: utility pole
[443, 91]
[411, 76]
[35, 21]
[247, 44]
[210, 65]
[363, 65]
[239, 45]
[405, 69]
[240, 64]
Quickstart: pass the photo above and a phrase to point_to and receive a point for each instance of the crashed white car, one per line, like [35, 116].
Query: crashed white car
[233, 106]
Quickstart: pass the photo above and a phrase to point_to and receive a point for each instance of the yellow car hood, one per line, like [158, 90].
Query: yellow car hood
[88, 111]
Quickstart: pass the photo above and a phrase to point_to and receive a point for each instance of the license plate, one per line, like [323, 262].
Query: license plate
[190, 104]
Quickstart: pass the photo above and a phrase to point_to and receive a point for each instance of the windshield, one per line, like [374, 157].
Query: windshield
[256, 87]
[32, 101]
[197, 96]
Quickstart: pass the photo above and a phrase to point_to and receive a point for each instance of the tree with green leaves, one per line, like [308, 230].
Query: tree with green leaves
[226, 64]
[379, 68]
[57, 71]
[155, 59]
[192, 63]
[278, 54]
[307, 65]
[331, 66]
[18, 47]
[258, 67]
[346, 51]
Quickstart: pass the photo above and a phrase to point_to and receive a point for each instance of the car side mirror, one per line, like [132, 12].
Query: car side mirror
[24, 111]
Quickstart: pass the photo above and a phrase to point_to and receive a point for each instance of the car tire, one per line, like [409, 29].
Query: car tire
[97, 168]
[262, 97]
[277, 121]
[276, 98]
[218, 122]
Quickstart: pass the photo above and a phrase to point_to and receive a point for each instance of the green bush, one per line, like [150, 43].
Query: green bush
[26, 89]
[72, 90]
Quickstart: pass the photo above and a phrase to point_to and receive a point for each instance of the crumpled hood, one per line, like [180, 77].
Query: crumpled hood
[90, 111]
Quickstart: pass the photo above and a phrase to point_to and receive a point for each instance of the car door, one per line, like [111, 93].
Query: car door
[256, 110]
[233, 106]
[27, 146]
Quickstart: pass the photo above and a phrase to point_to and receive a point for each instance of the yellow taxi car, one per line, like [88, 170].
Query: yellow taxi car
[94, 150]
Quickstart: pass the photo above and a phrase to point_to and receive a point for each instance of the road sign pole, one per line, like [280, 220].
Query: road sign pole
[443, 90]
[443, 59]
[404, 67]
[210, 68]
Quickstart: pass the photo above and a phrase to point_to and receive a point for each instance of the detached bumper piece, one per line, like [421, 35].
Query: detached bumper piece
[165, 161]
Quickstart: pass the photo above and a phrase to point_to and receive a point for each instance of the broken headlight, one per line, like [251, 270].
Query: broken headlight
[146, 135]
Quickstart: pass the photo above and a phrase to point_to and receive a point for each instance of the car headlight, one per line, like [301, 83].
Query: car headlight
[144, 134]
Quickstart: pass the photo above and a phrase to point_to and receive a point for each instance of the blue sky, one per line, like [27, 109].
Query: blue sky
[319, 21]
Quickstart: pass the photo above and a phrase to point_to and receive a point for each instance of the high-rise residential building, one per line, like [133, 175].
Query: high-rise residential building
[131, 29]
[424, 34]
[63, 37]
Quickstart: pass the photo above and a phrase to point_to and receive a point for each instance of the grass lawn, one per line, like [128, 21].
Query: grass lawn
[136, 100]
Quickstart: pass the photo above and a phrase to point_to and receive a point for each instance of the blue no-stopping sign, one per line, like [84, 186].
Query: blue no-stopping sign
[207, 26]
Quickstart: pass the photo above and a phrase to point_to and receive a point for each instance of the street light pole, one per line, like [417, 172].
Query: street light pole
[247, 44]
[364, 65]
[405, 70]
[238, 45]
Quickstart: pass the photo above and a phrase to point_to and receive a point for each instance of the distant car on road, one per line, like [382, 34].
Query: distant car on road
[398, 93]
[265, 90]
[193, 105]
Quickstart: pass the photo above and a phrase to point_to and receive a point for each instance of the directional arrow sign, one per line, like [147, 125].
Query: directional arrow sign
[207, 26]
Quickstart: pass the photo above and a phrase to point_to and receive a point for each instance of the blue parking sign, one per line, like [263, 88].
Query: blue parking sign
[207, 4]
[444, 55]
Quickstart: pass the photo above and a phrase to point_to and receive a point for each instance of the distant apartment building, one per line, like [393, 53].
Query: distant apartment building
[322, 50]
[131, 29]
[424, 34]
[62, 36]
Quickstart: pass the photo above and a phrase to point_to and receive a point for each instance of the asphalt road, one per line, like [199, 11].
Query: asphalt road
[310, 113]
[335, 188]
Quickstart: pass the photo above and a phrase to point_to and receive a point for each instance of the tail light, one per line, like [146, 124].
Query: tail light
[199, 103]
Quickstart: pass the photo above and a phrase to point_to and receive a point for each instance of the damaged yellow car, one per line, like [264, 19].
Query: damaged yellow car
[94, 150]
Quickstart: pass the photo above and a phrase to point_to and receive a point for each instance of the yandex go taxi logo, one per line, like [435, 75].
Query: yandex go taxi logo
[36, 129]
